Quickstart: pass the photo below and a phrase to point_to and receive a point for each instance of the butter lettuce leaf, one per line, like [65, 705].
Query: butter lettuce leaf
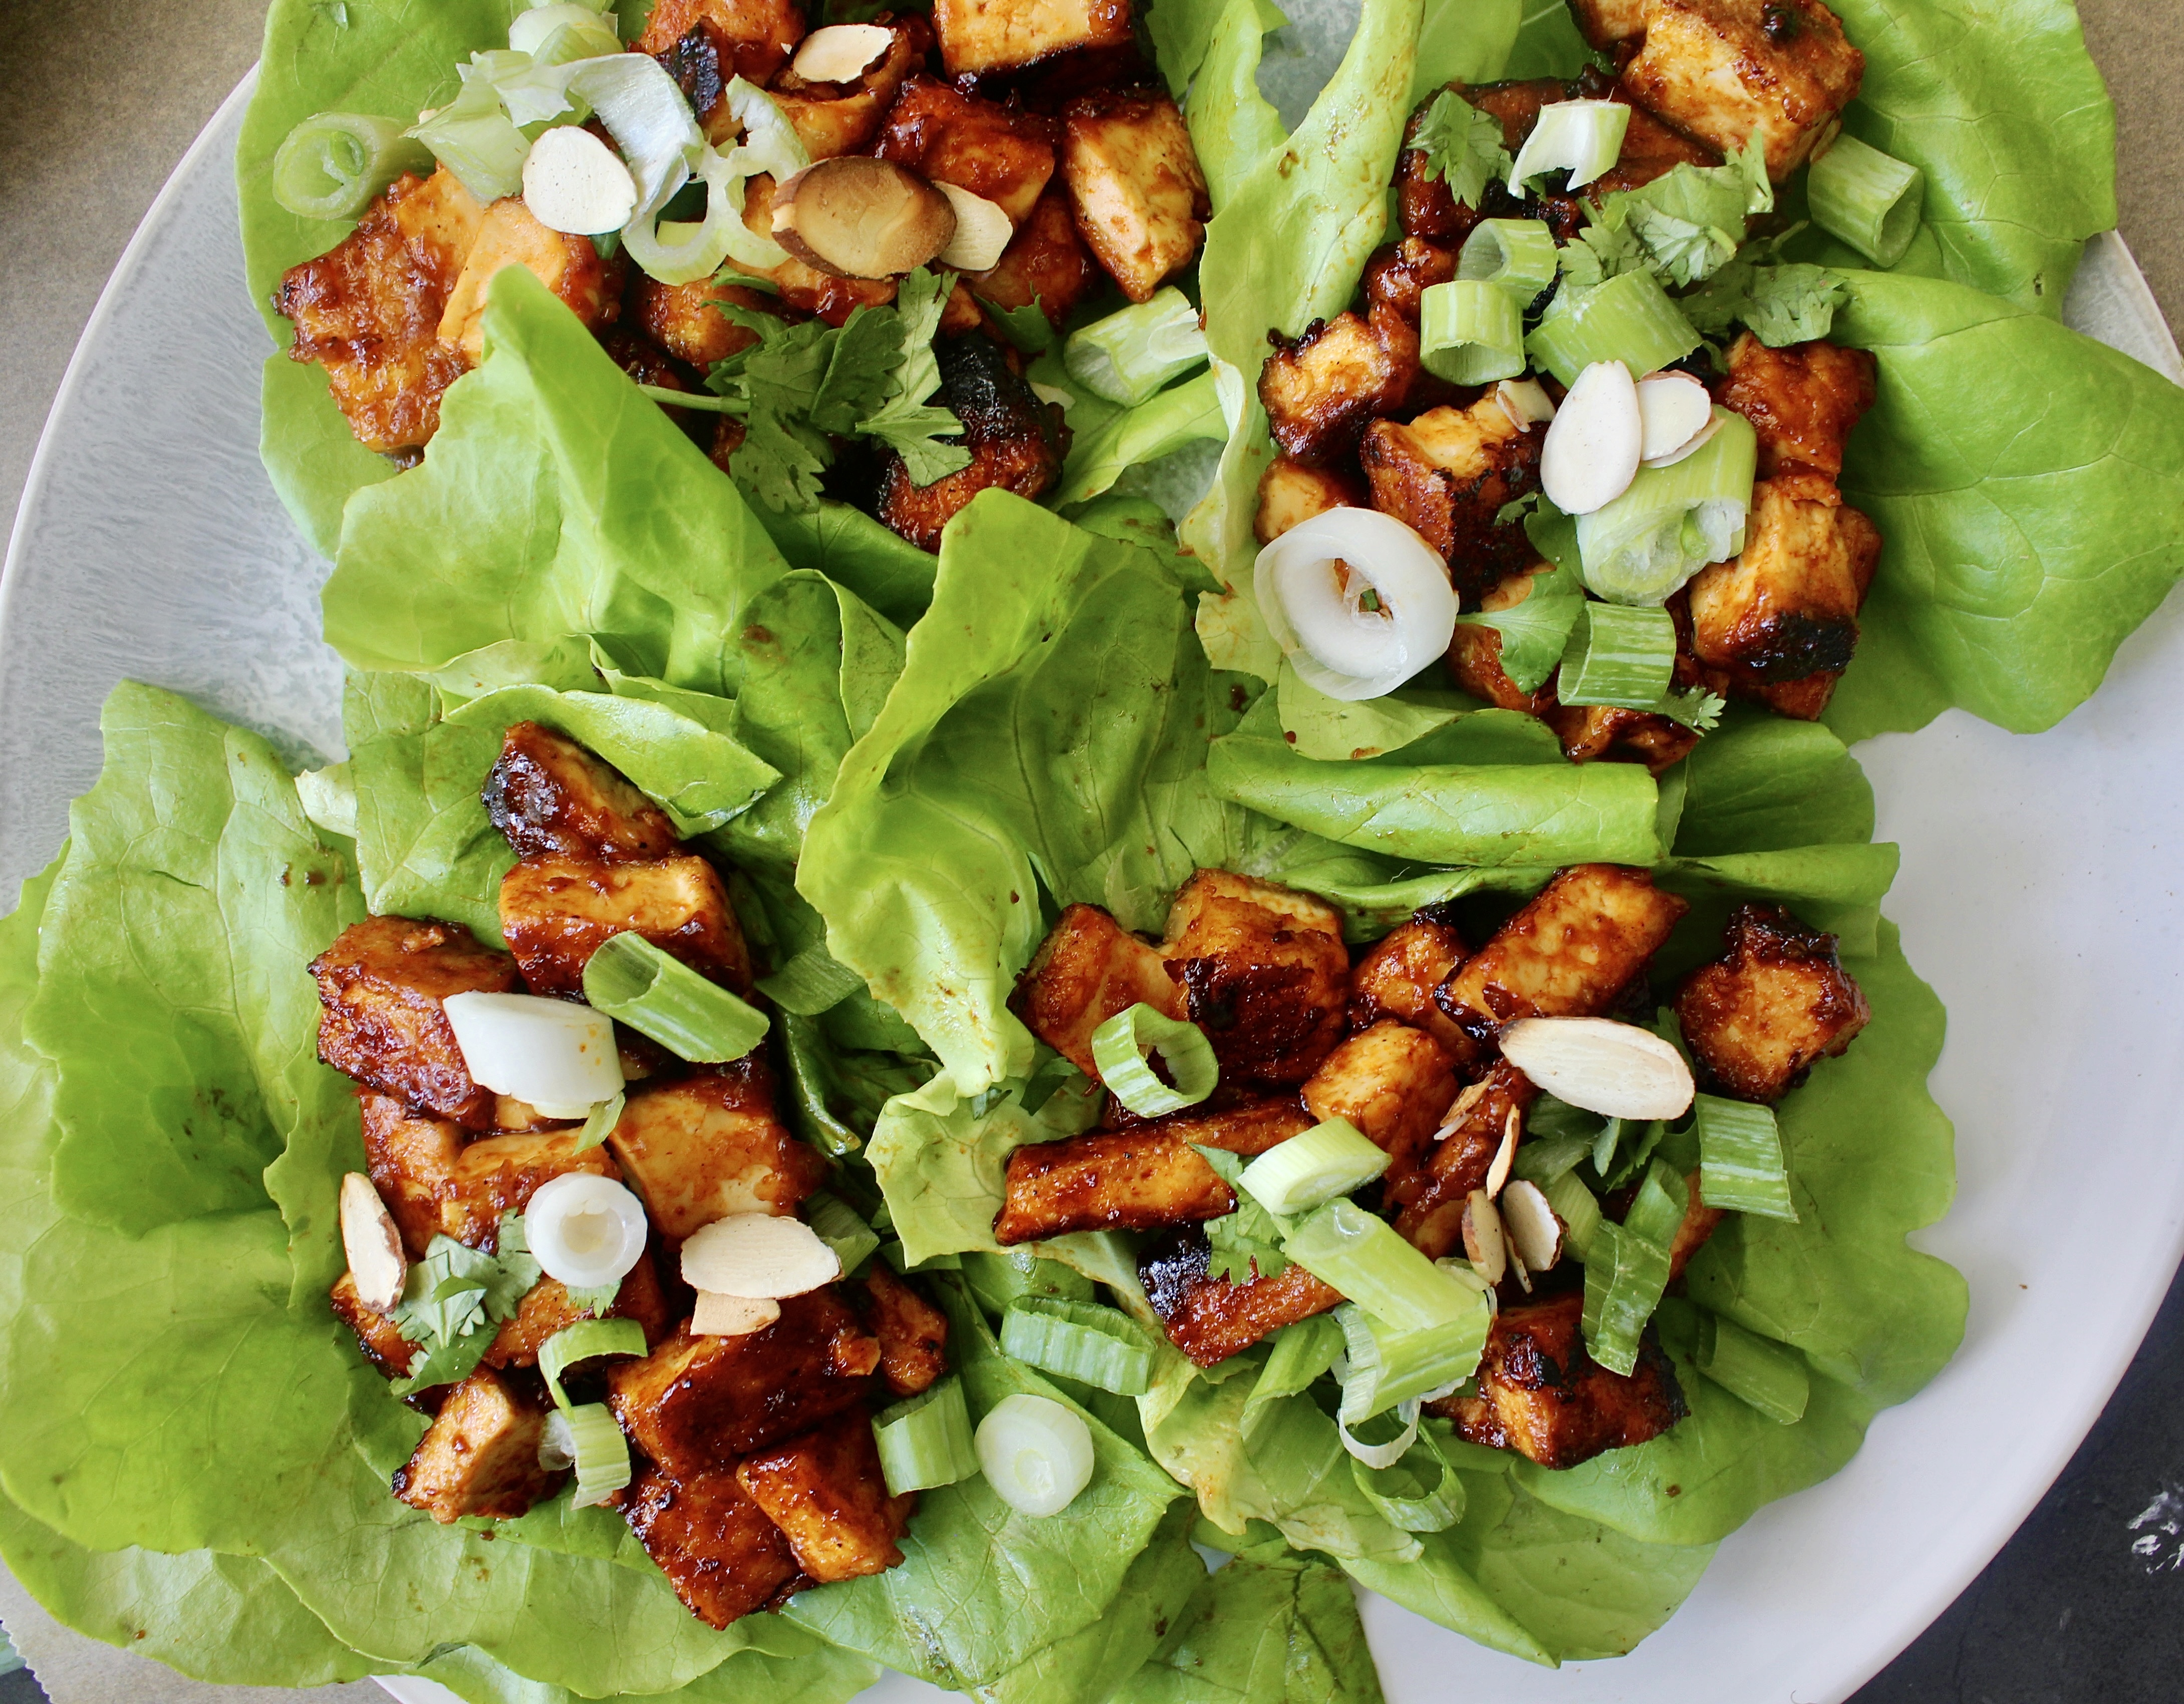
[1284, 1631]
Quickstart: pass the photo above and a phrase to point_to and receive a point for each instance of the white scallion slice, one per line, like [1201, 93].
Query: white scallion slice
[573, 182]
[1361, 1254]
[558, 1056]
[373, 1244]
[1392, 1451]
[1869, 199]
[653, 991]
[585, 1230]
[1628, 318]
[1615, 1069]
[1595, 440]
[1388, 1368]
[983, 230]
[1331, 1159]
[586, 1341]
[685, 251]
[1673, 519]
[647, 114]
[1135, 351]
[1584, 137]
[926, 1441]
[1766, 1376]
[1741, 1164]
[1576, 1207]
[1082, 1340]
[731, 1315]
[1356, 601]
[588, 1439]
[1674, 409]
[1470, 332]
[760, 1255]
[1516, 253]
[1036, 1454]
[1119, 1047]
[1402, 1495]
[1617, 656]
[331, 165]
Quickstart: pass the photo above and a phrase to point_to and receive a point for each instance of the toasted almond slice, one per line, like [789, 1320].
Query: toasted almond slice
[573, 182]
[1526, 402]
[1534, 1231]
[1617, 1070]
[841, 53]
[1497, 1174]
[1517, 1263]
[1592, 446]
[731, 1315]
[372, 1244]
[1697, 441]
[1482, 1237]
[759, 1257]
[983, 231]
[1459, 1109]
[1673, 408]
[856, 217]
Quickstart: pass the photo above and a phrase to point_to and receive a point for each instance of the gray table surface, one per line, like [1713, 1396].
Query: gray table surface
[97, 101]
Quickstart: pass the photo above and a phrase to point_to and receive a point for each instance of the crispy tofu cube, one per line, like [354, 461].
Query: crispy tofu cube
[1209, 1318]
[1046, 262]
[751, 39]
[548, 794]
[805, 289]
[1787, 607]
[1542, 1396]
[498, 1175]
[1141, 199]
[1430, 1199]
[383, 1346]
[1089, 968]
[479, 1455]
[1475, 650]
[1016, 441]
[1322, 389]
[411, 1158]
[701, 1147]
[1802, 401]
[947, 136]
[717, 1548]
[1700, 1222]
[979, 36]
[912, 1333]
[1392, 1082]
[1603, 23]
[556, 911]
[1721, 70]
[683, 321]
[1398, 273]
[1757, 1018]
[1590, 732]
[826, 1494]
[1447, 474]
[1128, 1182]
[547, 1308]
[834, 119]
[1650, 149]
[1291, 493]
[700, 1402]
[379, 1019]
[1264, 973]
[1568, 953]
[568, 266]
[1397, 978]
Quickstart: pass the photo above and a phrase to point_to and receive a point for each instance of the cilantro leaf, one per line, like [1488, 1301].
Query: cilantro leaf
[1606, 248]
[1462, 146]
[456, 1298]
[1685, 225]
[1249, 1238]
[1794, 303]
[904, 421]
[1696, 708]
[1535, 631]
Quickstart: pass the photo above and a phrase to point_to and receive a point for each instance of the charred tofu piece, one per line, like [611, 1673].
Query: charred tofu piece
[368, 310]
[548, 794]
[1590, 732]
[1723, 70]
[557, 910]
[380, 1021]
[1430, 1200]
[826, 1494]
[750, 39]
[1397, 978]
[1605, 23]
[568, 266]
[1089, 968]
[1425, 206]
[1802, 401]
[701, 1147]
[1209, 1318]
[805, 289]
[479, 1455]
[1787, 607]
[840, 117]
[1290, 492]
[1779, 999]
[1447, 473]
[1264, 973]
[701, 1402]
[547, 1308]
[383, 1346]
[1650, 149]
[717, 1548]
[1248, 1126]
[1322, 390]
[411, 1158]
[499, 1174]
[1141, 199]
[945, 136]
[683, 321]
[1541, 1395]
[1132, 1180]
[978, 38]
[1392, 1082]
[912, 1333]
[1568, 953]
[1045, 262]
[1399, 273]
[1016, 441]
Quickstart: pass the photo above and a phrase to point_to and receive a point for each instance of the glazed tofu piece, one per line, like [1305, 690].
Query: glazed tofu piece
[547, 794]
[717, 1548]
[1089, 968]
[1723, 70]
[1016, 441]
[380, 1022]
[1568, 953]
[1802, 401]
[1700, 1222]
[1542, 1396]
[556, 911]
[410, 1157]
[751, 39]
[826, 1494]
[1291, 492]
[383, 1346]
[479, 1455]
[499, 1174]
[547, 1308]
[1398, 977]
[912, 1333]
[1425, 208]
[1475, 650]
[1397, 274]
[1447, 473]
[980, 36]
[1590, 733]
[1430, 1199]
[1322, 390]
[1210, 1318]
[1046, 262]
[1392, 1082]
[1264, 973]
[681, 319]
[1650, 149]
[945, 136]
[1125, 1181]
[568, 266]
[1141, 199]
[839, 118]
[1604, 23]
[1247, 1126]
[698, 1148]
[1787, 607]
[1757, 1018]
[701, 1402]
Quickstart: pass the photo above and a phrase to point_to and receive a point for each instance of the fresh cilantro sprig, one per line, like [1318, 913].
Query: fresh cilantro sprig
[1791, 302]
[1462, 146]
[1247, 1242]
[1685, 225]
[456, 1299]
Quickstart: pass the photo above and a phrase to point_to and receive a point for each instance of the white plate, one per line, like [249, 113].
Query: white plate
[2038, 895]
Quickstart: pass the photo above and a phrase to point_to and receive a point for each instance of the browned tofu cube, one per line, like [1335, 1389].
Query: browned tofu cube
[751, 39]
[837, 118]
[1779, 999]
[547, 1308]
[1391, 1082]
[1209, 1318]
[379, 1019]
[1322, 389]
[1264, 973]
[700, 1402]
[826, 1494]
[383, 1346]
[368, 310]
[1399, 273]
[1722, 69]
[1291, 493]
[1568, 953]
[570, 267]
[1787, 607]
[1700, 1222]
[1474, 651]
[1016, 441]
[947, 136]
[411, 1158]
[1130, 1182]
[701, 1147]
[546, 793]
[1590, 732]
[1398, 977]
[498, 1175]
[1248, 1126]
[1089, 968]
[1046, 262]
[479, 1455]
[718, 1550]
[683, 321]
[912, 1333]
[1650, 149]
[1802, 401]
[1603, 23]
[978, 37]
[556, 911]
[1141, 199]
[1430, 1199]
[1542, 1396]
[1447, 473]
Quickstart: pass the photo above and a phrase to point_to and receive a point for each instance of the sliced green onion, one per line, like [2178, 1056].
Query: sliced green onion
[838, 1225]
[1628, 318]
[588, 1439]
[1585, 136]
[1869, 199]
[535, 27]
[599, 1123]
[1390, 1367]
[1292, 1448]
[1618, 654]
[1082, 1340]
[1657, 1210]
[473, 136]
[998, 1279]
[1119, 1047]
[813, 982]
[333, 164]
[1575, 1206]
[1541, 1161]
[1470, 332]
[1381, 1455]
[1672, 520]
[1516, 253]
[1624, 1275]
[585, 1340]
[1741, 1164]
[925, 1440]
[1404, 1499]
[1036, 1454]
[1765, 1375]
[1331, 1159]
[631, 980]
[1346, 1247]
[1135, 351]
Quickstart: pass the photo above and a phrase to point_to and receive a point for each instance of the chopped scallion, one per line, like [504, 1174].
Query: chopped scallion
[1082, 1340]
[1656, 1211]
[1471, 332]
[1624, 1275]
[1768, 1376]
[1541, 1161]
[926, 1441]
[1389, 1368]
[637, 983]
[1518, 254]
[836, 1223]
[1671, 520]
[599, 1122]
[332, 163]
[1869, 199]
[1575, 1206]
[585, 1340]
[1628, 319]
[1331, 1159]
[1618, 654]
[1360, 1254]
[1741, 1164]
[1035, 1453]
[1119, 1047]
[1133, 352]
[1385, 1454]
[1585, 137]
[813, 982]
[588, 1439]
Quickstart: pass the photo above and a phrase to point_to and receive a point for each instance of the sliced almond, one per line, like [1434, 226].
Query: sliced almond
[1617, 1070]
[857, 217]
[1693, 445]
[1459, 1110]
[1497, 1173]
[759, 1257]
[1534, 1231]
[1593, 445]
[575, 183]
[983, 231]
[1526, 402]
[1517, 1267]
[372, 1244]
[1482, 1237]
[731, 1315]
[1673, 408]
[841, 53]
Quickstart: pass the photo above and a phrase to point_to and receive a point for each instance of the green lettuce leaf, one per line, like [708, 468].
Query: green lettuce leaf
[1183, 414]
[1274, 1632]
